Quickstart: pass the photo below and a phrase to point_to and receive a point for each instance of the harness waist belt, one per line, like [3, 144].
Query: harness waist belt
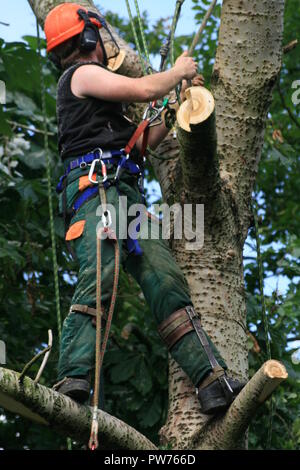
[113, 156]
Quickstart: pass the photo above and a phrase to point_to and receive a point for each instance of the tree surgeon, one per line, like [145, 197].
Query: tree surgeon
[99, 144]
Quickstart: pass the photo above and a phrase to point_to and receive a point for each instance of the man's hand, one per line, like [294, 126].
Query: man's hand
[186, 66]
[197, 81]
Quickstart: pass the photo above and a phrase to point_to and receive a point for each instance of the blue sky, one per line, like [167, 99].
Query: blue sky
[22, 21]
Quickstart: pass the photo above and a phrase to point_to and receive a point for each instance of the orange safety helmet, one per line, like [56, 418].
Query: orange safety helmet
[64, 22]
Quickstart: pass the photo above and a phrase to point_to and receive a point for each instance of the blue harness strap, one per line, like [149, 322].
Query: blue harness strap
[113, 157]
[87, 194]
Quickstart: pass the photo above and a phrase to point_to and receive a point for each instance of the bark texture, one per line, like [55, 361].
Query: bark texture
[63, 415]
[226, 433]
[50, 408]
[247, 63]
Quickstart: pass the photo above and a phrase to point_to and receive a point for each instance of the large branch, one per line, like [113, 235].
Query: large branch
[228, 432]
[65, 416]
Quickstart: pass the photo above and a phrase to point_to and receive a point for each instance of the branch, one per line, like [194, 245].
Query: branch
[290, 46]
[197, 138]
[202, 27]
[45, 406]
[29, 128]
[290, 113]
[226, 432]
[295, 338]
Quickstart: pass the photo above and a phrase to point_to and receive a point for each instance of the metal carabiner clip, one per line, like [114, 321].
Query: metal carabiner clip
[92, 169]
[106, 218]
[120, 167]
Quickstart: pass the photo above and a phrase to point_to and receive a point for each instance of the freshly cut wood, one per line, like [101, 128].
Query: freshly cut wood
[115, 63]
[197, 108]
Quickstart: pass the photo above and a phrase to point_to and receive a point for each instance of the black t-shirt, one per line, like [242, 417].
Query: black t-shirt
[85, 124]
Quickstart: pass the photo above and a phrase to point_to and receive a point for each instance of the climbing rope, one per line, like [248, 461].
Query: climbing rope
[136, 39]
[50, 203]
[176, 16]
[100, 349]
[261, 281]
[264, 311]
[142, 31]
[178, 7]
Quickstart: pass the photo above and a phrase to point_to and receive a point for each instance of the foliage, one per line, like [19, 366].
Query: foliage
[278, 201]
[135, 365]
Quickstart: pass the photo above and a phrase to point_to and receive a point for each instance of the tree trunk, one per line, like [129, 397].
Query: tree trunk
[247, 64]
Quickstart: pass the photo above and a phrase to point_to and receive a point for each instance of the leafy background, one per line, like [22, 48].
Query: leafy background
[135, 369]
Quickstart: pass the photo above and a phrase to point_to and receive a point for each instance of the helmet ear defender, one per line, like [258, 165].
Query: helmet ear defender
[89, 35]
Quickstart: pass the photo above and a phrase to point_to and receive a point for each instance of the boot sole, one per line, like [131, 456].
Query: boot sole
[77, 390]
[213, 406]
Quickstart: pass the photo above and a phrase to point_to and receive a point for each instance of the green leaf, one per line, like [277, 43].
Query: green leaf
[124, 370]
[153, 413]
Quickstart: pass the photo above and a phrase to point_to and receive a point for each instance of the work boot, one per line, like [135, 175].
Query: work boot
[77, 388]
[217, 391]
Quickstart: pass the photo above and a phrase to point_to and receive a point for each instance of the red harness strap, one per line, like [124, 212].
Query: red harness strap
[143, 128]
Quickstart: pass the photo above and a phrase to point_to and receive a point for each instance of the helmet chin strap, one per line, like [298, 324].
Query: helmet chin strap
[104, 25]
[105, 59]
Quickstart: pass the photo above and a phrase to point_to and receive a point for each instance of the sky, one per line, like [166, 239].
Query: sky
[19, 16]
[23, 22]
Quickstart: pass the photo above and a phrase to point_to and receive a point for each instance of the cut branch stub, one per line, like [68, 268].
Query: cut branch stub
[197, 138]
[115, 62]
[199, 105]
[228, 431]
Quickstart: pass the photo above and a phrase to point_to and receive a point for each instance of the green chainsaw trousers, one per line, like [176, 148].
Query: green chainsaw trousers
[160, 278]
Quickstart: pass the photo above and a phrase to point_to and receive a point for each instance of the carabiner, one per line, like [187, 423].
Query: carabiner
[92, 169]
[120, 166]
[106, 218]
[103, 170]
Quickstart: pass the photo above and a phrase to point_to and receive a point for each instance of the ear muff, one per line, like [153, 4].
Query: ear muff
[89, 35]
[88, 38]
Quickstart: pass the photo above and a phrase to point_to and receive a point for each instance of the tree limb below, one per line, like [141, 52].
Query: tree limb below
[47, 407]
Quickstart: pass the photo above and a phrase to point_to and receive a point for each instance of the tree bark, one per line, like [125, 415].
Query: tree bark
[247, 63]
[49, 408]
